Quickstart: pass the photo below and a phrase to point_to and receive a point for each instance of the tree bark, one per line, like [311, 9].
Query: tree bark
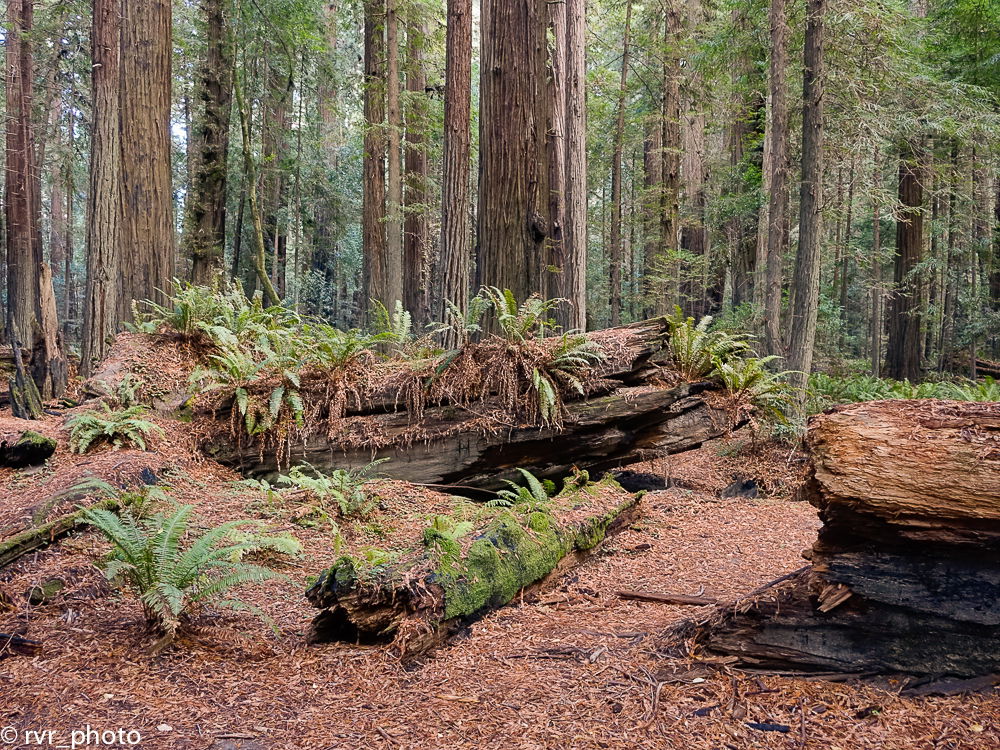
[904, 574]
[573, 280]
[376, 265]
[774, 211]
[615, 259]
[805, 283]
[206, 206]
[513, 193]
[105, 201]
[147, 256]
[394, 135]
[903, 347]
[456, 208]
[416, 225]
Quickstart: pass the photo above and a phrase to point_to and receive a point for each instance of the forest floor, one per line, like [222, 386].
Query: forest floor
[576, 666]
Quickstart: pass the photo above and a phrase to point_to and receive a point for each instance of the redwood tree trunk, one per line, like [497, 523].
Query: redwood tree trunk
[394, 196]
[206, 206]
[416, 228]
[147, 257]
[805, 284]
[616, 259]
[373, 197]
[513, 195]
[902, 359]
[456, 238]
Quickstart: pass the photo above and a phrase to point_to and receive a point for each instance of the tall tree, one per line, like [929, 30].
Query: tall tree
[573, 279]
[205, 232]
[555, 130]
[808, 259]
[456, 209]
[105, 202]
[147, 257]
[416, 227]
[615, 258]
[31, 308]
[373, 194]
[774, 224]
[902, 358]
[513, 195]
[394, 133]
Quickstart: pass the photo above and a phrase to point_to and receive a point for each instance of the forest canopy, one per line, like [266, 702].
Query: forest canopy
[821, 174]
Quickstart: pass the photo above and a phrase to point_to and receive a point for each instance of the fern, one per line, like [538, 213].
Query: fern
[534, 493]
[750, 379]
[344, 489]
[172, 580]
[121, 429]
[519, 322]
[696, 349]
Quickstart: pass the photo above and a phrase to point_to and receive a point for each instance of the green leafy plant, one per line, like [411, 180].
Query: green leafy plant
[463, 324]
[344, 489]
[173, 580]
[696, 349]
[533, 493]
[121, 429]
[520, 321]
[750, 380]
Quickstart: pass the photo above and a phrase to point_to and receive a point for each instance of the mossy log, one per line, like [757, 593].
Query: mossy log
[29, 449]
[418, 602]
[905, 574]
[629, 425]
[39, 537]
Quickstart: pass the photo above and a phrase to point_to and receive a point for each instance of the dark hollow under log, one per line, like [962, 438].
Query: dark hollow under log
[905, 574]
[629, 425]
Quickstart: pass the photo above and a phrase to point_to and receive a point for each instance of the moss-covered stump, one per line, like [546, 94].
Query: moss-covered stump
[458, 571]
[29, 449]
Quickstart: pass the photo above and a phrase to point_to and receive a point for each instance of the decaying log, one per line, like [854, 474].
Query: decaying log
[678, 600]
[419, 601]
[905, 574]
[29, 449]
[629, 425]
[11, 644]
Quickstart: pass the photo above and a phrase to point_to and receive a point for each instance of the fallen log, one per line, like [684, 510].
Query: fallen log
[984, 367]
[450, 579]
[905, 574]
[630, 425]
[29, 449]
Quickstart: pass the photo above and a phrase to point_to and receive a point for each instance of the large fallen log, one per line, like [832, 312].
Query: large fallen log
[452, 576]
[629, 425]
[905, 574]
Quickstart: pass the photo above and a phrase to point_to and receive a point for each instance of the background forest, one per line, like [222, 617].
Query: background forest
[822, 174]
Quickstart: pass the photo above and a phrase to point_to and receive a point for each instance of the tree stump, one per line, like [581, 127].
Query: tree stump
[905, 574]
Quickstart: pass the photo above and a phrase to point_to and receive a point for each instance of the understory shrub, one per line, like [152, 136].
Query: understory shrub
[121, 429]
[173, 579]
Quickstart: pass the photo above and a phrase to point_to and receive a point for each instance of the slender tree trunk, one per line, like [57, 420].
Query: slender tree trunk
[205, 233]
[555, 113]
[877, 294]
[846, 252]
[456, 209]
[573, 285]
[665, 291]
[373, 198]
[147, 257]
[615, 259]
[774, 223]
[652, 163]
[105, 223]
[513, 194]
[903, 352]
[326, 234]
[416, 227]
[69, 306]
[805, 283]
[394, 196]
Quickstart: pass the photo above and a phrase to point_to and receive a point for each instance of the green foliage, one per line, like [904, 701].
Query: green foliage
[518, 322]
[344, 489]
[751, 380]
[172, 579]
[825, 391]
[696, 349]
[123, 428]
[463, 323]
[534, 493]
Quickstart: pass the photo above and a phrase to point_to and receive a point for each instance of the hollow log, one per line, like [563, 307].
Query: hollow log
[446, 582]
[629, 425]
[905, 574]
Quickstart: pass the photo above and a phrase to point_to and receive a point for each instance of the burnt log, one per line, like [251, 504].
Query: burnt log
[449, 448]
[905, 574]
